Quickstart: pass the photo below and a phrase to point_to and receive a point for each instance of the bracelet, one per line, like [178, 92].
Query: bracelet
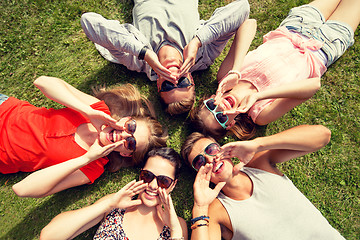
[203, 217]
[142, 53]
[236, 72]
[176, 238]
[199, 225]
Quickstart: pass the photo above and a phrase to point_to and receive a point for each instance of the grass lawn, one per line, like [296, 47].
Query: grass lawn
[42, 37]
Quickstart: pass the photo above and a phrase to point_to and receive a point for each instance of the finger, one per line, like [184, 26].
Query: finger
[135, 202]
[129, 185]
[161, 195]
[208, 169]
[140, 187]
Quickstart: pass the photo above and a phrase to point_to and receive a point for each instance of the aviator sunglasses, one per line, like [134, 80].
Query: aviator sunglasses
[130, 127]
[220, 117]
[183, 82]
[200, 160]
[162, 181]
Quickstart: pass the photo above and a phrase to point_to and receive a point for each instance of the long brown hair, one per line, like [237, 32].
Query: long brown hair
[244, 128]
[126, 100]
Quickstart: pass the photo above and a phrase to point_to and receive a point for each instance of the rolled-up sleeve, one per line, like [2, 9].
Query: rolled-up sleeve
[224, 20]
[110, 34]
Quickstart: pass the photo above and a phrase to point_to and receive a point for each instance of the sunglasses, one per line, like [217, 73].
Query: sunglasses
[200, 160]
[130, 127]
[220, 117]
[162, 181]
[183, 82]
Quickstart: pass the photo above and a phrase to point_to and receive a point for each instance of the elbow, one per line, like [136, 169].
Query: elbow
[22, 192]
[317, 84]
[252, 22]
[325, 135]
[40, 81]
[46, 233]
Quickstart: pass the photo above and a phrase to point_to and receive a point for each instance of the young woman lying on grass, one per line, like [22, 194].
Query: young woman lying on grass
[280, 74]
[150, 216]
[72, 145]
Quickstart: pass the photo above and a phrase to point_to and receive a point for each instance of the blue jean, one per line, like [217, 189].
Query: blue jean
[309, 21]
[3, 98]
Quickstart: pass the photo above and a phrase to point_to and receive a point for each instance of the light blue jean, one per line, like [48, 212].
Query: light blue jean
[309, 21]
[3, 98]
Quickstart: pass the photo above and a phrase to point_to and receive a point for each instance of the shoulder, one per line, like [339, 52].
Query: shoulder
[218, 213]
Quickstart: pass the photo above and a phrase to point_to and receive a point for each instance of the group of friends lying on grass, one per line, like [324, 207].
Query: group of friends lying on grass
[117, 126]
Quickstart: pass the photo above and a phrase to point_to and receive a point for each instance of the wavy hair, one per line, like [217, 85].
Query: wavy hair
[244, 128]
[126, 100]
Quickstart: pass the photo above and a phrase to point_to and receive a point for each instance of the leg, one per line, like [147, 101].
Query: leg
[348, 12]
[326, 7]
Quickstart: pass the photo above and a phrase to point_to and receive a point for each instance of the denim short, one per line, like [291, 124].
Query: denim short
[3, 98]
[309, 21]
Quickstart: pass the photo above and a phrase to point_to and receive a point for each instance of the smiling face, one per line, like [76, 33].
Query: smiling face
[170, 58]
[109, 135]
[178, 94]
[209, 119]
[222, 167]
[158, 166]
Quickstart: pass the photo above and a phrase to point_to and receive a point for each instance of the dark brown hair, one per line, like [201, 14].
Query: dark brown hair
[244, 128]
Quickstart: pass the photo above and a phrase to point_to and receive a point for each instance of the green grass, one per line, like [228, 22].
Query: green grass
[45, 38]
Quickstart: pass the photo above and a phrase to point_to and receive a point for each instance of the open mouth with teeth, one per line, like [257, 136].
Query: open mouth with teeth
[229, 102]
[151, 195]
[112, 137]
[218, 167]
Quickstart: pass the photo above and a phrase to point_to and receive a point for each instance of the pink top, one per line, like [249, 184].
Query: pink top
[284, 57]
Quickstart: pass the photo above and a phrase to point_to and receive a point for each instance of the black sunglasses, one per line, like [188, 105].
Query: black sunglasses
[162, 181]
[130, 127]
[212, 149]
[183, 82]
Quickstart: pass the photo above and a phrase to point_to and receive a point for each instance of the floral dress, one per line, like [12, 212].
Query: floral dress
[111, 227]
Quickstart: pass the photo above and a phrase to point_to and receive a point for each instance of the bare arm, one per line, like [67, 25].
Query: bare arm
[280, 147]
[235, 58]
[61, 176]
[239, 48]
[288, 96]
[60, 91]
[203, 197]
[68, 225]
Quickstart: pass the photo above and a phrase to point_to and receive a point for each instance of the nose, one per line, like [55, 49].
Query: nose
[153, 184]
[211, 159]
[124, 134]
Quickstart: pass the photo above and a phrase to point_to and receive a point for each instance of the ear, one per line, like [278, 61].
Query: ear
[231, 124]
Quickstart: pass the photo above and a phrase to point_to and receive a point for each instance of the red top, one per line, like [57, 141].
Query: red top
[33, 138]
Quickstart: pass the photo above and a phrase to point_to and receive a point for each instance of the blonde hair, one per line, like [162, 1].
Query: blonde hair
[126, 100]
[180, 107]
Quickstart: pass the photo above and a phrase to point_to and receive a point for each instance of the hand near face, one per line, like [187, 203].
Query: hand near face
[152, 59]
[243, 150]
[99, 118]
[203, 194]
[226, 83]
[123, 198]
[166, 211]
[247, 102]
[97, 151]
[190, 51]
